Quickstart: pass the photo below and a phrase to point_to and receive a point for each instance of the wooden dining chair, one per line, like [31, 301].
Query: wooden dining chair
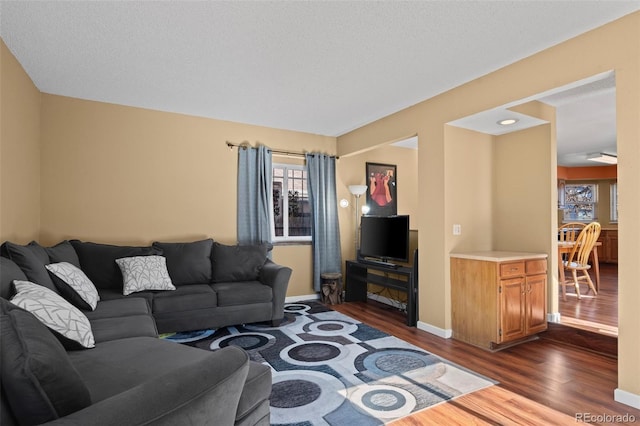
[578, 259]
[569, 231]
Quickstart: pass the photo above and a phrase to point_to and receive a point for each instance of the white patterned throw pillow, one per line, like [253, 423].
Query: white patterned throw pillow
[141, 273]
[77, 280]
[54, 312]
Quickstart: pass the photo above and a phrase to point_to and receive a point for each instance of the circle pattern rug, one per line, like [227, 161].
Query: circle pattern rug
[329, 369]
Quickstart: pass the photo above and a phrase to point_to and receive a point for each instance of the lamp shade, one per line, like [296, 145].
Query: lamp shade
[357, 189]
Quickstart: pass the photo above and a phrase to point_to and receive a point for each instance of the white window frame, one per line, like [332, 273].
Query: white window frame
[285, 206]
[613, 198]
[568, 203]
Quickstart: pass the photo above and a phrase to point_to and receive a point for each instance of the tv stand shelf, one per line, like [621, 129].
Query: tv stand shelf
[360, 274]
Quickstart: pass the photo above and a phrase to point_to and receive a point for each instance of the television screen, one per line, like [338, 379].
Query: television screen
[385, 237]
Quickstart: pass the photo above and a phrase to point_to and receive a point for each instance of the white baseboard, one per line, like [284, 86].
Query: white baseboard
[294, 299]
[627, 398]
[553, 317]
[440, 332]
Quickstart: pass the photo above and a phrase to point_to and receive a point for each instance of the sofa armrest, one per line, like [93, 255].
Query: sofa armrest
[205, 392]
[277, 277]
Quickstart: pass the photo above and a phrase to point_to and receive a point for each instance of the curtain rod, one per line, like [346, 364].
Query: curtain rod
[232, 145]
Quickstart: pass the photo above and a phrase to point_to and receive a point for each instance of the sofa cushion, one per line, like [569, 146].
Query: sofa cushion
[74, 285]
[98, 261]
[188, 263]
[106, 329]
[63, 252]
[121, 307]
[112, 294]
[38, 379]
[242, 293]
[140, 273]
[116, 366]
[256, 390]
[54, 312]
[9, 271]
[237, 263]
[185, 298]
[31, 258]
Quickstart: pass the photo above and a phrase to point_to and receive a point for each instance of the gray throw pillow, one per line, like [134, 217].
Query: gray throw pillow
[74, 285]
[188, 263]
[54, 312]
[98, 261]
[31, 258]
[9, 271]
[38, 380]
[237, 263]
[63, 252]
[140, 273]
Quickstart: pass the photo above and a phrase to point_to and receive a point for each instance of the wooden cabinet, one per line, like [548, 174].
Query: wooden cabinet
[608, 253]
[498, 297]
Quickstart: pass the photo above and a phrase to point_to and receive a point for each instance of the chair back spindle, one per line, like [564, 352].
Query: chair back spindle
[570, 231]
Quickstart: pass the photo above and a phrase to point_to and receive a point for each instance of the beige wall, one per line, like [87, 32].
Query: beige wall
[522, 191]
[470, 189]
[126, 175]
[19, 152]
[615, 46]
[351, 171]
[116, 174]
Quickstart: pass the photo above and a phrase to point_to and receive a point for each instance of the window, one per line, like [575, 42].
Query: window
[291, 209]
[613, 190]
[580, 202]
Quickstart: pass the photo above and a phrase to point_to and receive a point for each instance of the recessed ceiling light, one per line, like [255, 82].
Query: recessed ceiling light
[508, 121]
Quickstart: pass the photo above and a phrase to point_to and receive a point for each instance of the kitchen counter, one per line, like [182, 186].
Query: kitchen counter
[498, 256]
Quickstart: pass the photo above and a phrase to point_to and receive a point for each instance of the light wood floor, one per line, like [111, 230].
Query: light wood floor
[595, 313]
[541, 382]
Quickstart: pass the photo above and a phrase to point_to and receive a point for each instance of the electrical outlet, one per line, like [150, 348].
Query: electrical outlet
[457, 229]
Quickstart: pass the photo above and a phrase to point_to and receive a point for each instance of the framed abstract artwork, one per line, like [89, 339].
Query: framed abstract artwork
[382, 189]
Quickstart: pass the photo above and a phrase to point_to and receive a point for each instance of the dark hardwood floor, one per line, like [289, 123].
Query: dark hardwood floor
[596, 313]
[540, 382]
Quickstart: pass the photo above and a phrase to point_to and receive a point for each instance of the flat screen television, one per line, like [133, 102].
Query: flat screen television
[384, 238]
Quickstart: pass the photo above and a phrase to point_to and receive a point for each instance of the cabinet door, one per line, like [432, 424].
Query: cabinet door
[512, 309]
[612, 247]
[603, 251]
[536, 303]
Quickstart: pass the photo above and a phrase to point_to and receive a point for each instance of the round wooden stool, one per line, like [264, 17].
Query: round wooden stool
[331, 285]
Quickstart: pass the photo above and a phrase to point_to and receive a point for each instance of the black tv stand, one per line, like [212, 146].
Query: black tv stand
[377, 262]
[362, 272]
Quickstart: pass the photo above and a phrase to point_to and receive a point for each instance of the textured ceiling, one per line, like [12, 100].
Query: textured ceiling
[324, 67]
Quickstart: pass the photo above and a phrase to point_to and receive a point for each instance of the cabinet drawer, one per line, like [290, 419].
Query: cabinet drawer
[512, 269]
[537, 266]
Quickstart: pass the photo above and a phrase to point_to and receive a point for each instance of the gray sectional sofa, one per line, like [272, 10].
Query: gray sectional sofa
[130, 376]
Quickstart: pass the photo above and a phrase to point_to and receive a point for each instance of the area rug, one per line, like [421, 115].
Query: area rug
[329, 369]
